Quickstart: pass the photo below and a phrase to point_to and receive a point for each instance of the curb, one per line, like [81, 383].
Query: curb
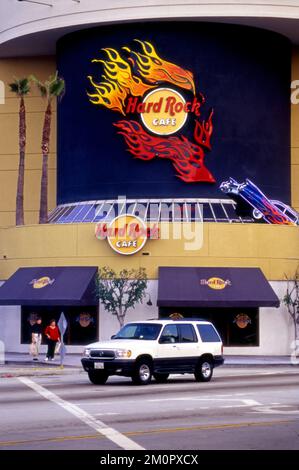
[38, 371]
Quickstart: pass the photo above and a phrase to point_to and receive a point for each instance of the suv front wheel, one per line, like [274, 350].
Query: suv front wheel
[98, 377]
[204, 370]
[143, 372]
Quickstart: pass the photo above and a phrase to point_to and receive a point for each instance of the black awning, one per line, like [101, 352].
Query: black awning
[74, 285]
[214, 287]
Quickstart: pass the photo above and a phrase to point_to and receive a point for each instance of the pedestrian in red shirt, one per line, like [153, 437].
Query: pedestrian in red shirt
[53, 335]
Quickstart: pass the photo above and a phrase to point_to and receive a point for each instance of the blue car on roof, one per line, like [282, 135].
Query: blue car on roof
[273, 212]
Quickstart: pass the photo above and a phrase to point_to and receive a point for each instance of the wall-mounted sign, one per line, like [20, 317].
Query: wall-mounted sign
[216, 283]
[165, 111]
[42, 282]
[176, 316]
[273, 212]
[134, 85]
[85, 319]
[242, 320]
[126, 234]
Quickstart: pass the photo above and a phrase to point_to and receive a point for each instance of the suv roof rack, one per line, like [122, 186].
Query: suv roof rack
[185, 319]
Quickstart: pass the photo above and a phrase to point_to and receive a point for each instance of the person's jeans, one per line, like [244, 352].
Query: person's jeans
[36, 340]
[51, 348]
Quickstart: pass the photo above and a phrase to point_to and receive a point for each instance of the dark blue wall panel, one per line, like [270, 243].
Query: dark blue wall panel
[244, 74]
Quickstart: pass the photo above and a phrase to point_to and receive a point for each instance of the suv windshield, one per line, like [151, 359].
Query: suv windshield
[139, 331]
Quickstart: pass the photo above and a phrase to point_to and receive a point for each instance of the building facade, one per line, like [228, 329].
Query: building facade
[163, 104]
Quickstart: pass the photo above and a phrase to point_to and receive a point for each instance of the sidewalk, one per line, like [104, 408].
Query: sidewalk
[17, 364]
[20, 364]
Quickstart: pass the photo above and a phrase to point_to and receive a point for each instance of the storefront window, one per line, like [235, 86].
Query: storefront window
[237, 327]
[82, 322]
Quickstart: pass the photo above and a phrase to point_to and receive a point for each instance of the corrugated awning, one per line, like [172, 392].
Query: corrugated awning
[73, 285]
[214, 287]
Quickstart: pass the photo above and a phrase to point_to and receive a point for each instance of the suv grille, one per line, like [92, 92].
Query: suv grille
[102, 354]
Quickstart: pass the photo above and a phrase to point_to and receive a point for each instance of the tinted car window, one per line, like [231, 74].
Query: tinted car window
[187, 334]
[171, 333]
[208, 333]
[139, 331]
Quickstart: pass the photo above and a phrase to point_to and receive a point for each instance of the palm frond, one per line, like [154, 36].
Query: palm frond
[57, 87]
[14, 87]
[43, 89]
[20, 86]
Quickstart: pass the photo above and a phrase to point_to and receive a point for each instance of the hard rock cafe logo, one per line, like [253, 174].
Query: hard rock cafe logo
[242, 320]
[215, 283]
[137, 84]
[126, 234]
[42, 282]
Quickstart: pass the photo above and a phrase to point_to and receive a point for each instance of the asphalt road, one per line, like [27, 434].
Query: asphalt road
[241, 408]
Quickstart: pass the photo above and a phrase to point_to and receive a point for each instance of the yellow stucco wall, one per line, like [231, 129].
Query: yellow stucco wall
[41, 67]
[272, 248]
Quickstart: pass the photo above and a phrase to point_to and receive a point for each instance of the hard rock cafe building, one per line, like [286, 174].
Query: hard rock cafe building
[177, 120]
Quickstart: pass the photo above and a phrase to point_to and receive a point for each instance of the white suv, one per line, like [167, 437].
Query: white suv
[156, 348]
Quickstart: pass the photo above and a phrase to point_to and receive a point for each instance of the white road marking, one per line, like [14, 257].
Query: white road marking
[250, 402]
[272, 410]
[247, 402]
[110, 433]
[234, 406]
[142, 400]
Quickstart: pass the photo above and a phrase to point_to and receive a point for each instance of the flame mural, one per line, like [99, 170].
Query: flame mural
[275, 216]
[187, 157]
[156, 70]
[133, 76]
[119, 82]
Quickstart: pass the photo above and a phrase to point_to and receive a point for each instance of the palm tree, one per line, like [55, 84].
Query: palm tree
[21, 88]
[50, 89]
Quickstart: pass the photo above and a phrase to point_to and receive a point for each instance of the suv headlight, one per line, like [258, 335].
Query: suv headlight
[123, 353]
[86, 352]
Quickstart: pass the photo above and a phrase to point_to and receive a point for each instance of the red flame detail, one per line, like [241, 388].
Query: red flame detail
[187, 157]
[274, 216]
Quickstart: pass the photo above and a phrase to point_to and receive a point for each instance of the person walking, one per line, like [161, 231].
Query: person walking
[53, 336]
[36, 338]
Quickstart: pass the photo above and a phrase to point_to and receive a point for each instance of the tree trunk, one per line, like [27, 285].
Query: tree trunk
[43, 208]
[296, 341]
[20, 184]
[121, 316]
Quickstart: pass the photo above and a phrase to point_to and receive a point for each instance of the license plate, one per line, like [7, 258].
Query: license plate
[99, 365]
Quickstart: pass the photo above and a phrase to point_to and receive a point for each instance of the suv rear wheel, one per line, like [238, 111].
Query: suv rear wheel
[161, 378]
[204, 370]
[98, 377]
[143, 372]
